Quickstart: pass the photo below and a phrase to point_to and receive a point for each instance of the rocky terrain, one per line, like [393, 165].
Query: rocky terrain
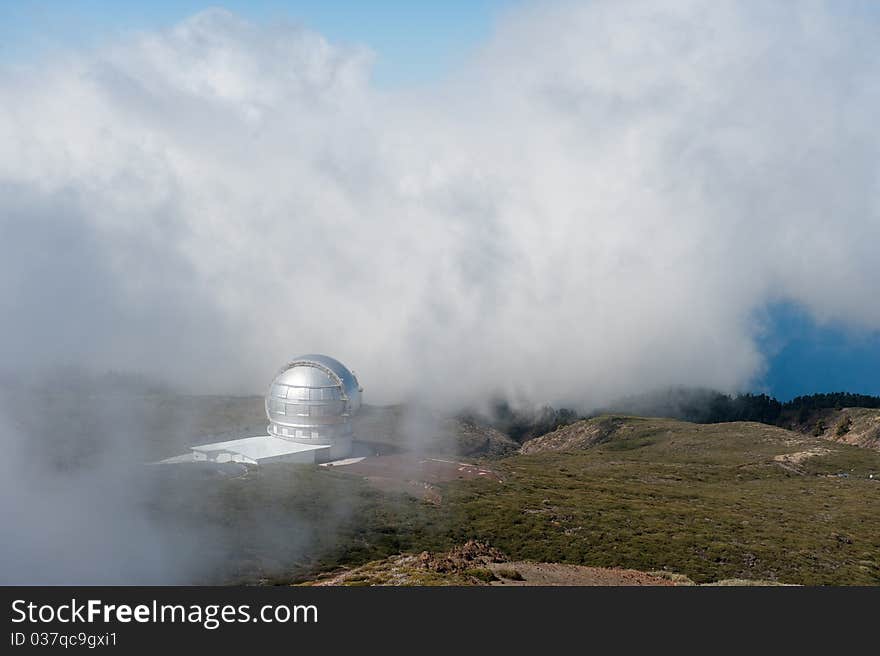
[580, 435]
[857, 426]
[477, 563]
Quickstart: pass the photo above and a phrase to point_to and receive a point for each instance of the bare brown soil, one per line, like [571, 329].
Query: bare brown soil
[580, 435]
[857, 426]
[798, 457]
[559, 574]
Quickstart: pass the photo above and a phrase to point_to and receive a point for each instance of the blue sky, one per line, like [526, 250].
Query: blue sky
[414, 41]
[805, 357]
[418, 42]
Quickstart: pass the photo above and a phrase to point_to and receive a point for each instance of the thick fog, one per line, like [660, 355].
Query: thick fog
[602, 201]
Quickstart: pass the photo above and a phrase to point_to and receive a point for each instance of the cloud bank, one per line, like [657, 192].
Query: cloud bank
[600, 203]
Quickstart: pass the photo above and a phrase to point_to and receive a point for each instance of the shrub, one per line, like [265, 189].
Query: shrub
[510, 574]
[481, 574]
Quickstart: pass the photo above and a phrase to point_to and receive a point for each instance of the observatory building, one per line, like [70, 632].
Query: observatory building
[312, 401]
[310, 406]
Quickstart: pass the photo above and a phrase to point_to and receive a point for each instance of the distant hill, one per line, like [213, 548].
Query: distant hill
[672, 436]
[697, 405]
[858, 426]
[708, 406]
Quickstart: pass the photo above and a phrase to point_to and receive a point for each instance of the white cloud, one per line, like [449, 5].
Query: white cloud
[598, 204]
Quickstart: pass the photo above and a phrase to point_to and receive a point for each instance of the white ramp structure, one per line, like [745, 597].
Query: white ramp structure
[310, 406]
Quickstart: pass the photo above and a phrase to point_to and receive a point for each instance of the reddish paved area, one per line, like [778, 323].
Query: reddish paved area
[414, 468]
[414, 475]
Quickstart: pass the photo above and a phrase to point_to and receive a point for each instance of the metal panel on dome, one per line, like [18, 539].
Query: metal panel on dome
[302, 375]
[343, 374]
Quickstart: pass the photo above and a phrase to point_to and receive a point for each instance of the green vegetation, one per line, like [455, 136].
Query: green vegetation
[704, 500]
[483, 574]
[509, 574]
[710, 502]
[707, 501]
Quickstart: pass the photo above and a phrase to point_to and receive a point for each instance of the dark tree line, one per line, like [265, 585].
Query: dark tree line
[835, 400]
[802, 409]
[710, 407]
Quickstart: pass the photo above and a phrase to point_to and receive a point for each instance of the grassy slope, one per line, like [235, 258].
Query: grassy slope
[707, 501]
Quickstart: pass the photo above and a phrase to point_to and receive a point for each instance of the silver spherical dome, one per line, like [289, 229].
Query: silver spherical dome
[312, 400]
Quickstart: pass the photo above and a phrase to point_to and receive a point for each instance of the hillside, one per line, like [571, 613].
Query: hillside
[710, 502]
[716, 501]
[706, 406]
[674, 436]
[726, 503]
[857, 426]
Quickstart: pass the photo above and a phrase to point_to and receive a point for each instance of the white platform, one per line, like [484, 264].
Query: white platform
[255, 450]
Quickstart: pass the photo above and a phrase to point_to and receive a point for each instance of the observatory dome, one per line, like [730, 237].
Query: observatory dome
[312, 400]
